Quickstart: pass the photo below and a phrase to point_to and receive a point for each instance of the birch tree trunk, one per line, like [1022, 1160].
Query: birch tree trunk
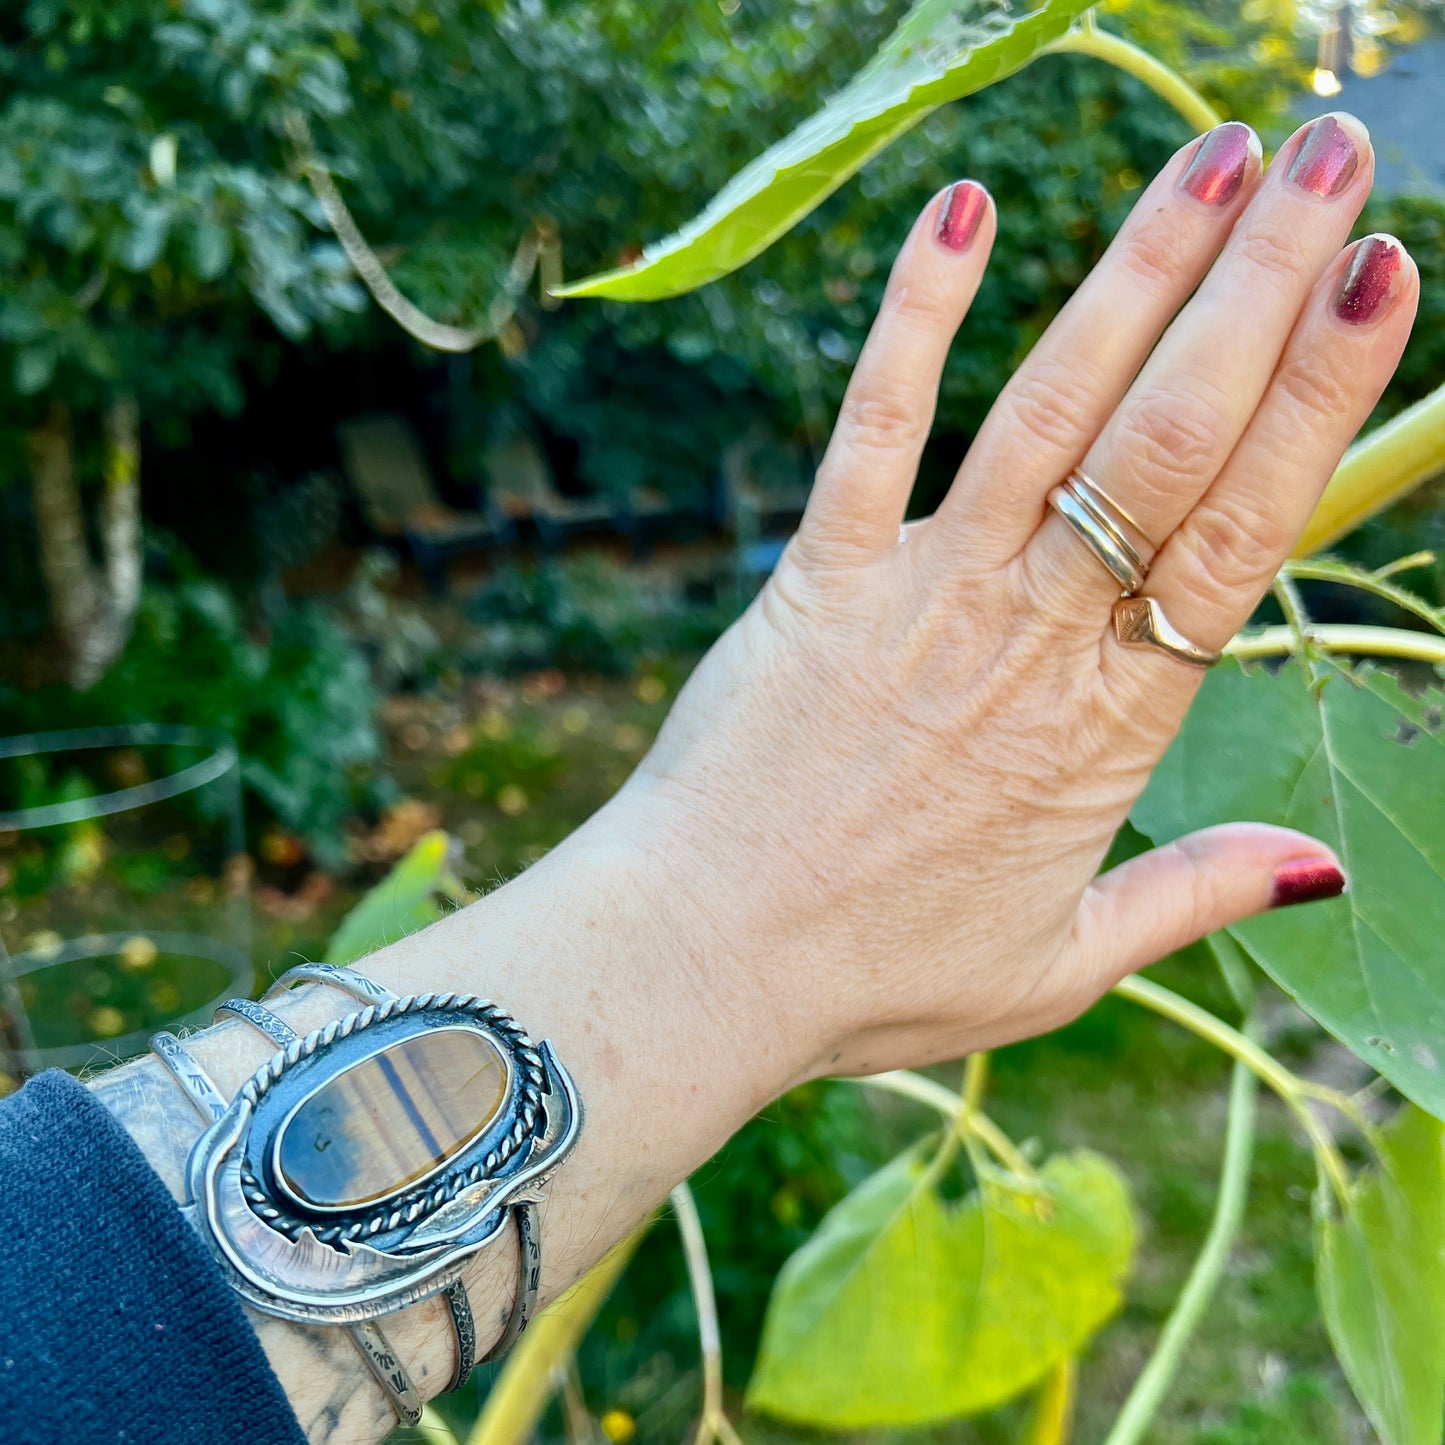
[91, 607]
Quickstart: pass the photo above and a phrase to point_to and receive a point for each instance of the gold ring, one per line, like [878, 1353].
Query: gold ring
[1140, 622]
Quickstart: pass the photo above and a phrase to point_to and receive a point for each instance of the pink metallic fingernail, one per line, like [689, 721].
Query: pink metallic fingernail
[1220, 164]
[1326, 158]
[1306, 880]
[960, 214]
[1367, 290]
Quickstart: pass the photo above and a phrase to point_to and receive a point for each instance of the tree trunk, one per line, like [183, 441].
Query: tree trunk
[91, 608]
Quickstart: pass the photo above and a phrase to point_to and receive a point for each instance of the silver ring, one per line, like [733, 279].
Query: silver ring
[1095, 531]
[1140, 622]
[1129, 532]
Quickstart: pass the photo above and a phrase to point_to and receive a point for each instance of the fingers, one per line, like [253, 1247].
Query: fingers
[1212, 572]
[1172, 896]
[1183, 415]
[1076, 375]
[867, 474]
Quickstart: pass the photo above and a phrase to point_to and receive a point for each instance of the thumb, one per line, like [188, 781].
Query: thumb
[1173, 895]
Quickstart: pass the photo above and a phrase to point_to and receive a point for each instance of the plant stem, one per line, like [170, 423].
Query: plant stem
[975, 1082]
[1264, 1065]
[924, 1091]
[1377, 583]
[1158, 1374]
[525, 1384]
[1052, 1422]
[431, 1429]
[712, 1423]
[1393, 460]
[1342, 637]
[1163, 81]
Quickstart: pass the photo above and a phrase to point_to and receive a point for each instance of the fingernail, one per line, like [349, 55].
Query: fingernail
[1325, 159]
[1306, 880]
[1220, 164]
[960, 214]
[1366, 290]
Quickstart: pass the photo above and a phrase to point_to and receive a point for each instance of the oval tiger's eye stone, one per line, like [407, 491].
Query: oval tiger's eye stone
[387, 1121]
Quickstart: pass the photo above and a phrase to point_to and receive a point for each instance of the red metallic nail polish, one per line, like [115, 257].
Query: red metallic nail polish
[1367, 287]
[960, 214]
[1220, 164]
[1305, 880]
[1326, 158]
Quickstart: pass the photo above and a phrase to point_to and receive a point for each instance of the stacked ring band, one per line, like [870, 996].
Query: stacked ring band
[1119, 542]
[1108, 531]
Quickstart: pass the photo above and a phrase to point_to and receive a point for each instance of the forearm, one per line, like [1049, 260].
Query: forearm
[594, 950]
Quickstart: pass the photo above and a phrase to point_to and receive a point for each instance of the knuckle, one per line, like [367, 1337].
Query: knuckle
[886, 418]
[917, 307]
[1051, 399]
[1232, 548]
[1169, 441]
[1281, 257]
[1155, 257]
[1316, 387]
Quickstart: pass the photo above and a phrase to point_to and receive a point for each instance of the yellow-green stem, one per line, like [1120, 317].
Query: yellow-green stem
[1393, 460]
[924, 1091]
[1052, 1419]
[1164, 82]
[1341, 637]
[1263, 1065]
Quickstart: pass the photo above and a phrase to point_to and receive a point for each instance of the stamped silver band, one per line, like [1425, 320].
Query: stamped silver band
[529, 1277]
[259, 1017]
[347, 980]
[465, 1327]
[389, 1371]
[192, 1078]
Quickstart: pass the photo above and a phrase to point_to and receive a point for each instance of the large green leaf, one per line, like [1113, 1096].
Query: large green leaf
[1380, 1271]
[904, 1309]
[408, 898]
[1360, 764]
[942, 50]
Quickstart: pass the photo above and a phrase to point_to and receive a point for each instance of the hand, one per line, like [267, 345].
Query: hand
[889, 787]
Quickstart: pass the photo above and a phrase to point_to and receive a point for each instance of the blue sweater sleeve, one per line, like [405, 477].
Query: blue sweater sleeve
[116, 1327]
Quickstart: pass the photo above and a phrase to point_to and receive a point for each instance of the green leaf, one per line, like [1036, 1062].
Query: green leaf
[408, 898]
[34, 369]
[1359, 764]
[941, 51]
[1380, 1272]
[903, 1309]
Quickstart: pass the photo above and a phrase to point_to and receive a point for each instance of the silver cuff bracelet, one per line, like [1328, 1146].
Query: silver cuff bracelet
[358, 1169]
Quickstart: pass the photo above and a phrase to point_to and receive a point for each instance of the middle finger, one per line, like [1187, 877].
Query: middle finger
[1188, 407]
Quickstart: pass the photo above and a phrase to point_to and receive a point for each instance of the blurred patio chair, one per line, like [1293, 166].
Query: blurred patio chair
[388, 472]
[765, 487]
[519, 481]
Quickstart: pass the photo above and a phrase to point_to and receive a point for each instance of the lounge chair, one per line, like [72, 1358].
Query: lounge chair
[389, 474]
